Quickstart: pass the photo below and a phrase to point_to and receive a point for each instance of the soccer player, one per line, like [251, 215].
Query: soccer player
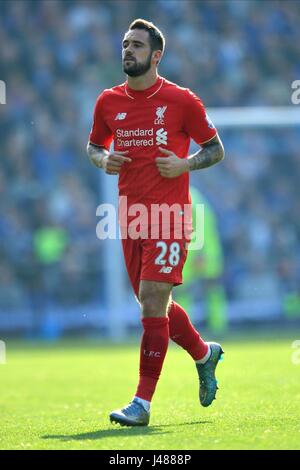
[151, 121]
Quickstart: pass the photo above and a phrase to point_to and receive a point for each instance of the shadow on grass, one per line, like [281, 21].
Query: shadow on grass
[121, 432]
[138, 431]
[191, 423]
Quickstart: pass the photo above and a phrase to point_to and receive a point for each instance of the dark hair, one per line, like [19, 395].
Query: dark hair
[157, 40]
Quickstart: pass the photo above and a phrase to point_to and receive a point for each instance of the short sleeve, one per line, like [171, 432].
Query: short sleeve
[100, 134]
[197, 123]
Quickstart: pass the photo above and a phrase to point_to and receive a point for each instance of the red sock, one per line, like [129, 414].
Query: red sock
[153, 351]
[183, 333]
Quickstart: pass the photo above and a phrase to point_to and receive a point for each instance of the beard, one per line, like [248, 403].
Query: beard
[135, 69]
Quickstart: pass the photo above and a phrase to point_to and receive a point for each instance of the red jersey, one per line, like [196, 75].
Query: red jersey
[164, 115]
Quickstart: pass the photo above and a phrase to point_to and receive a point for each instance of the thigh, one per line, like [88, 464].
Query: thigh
[132, 251]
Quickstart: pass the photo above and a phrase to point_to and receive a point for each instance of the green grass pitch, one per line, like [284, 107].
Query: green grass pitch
[59, 397]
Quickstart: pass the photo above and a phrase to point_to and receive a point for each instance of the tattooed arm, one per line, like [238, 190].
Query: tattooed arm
[96, 154]
[110, 162]
[211, 153]
[171, 166]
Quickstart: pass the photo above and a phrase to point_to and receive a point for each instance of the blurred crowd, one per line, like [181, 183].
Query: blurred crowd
[255, 194]
[57, 56]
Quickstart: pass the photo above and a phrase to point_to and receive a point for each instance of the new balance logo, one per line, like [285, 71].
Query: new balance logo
[160, 111]
[161, 136]
[166, 270]
[120, 116]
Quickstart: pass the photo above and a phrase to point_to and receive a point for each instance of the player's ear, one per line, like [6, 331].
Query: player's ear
[156, 56]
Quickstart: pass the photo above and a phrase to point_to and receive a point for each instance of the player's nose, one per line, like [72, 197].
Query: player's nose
[128, 53]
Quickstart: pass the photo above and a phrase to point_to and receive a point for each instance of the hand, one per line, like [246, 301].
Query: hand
[171, 166]
[112, 162]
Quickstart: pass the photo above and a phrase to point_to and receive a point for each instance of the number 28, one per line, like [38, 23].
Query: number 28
[173, 255]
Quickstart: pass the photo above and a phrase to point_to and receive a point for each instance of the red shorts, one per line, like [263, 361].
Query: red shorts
[160, 259]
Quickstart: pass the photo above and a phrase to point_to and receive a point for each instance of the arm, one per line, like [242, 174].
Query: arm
[110, 162]
[172, 166]
[197, 125]
[101, 137]
[96, 154]
[211, 153]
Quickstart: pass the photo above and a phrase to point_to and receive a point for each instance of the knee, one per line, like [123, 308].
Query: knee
[150, 305]
[153, 302]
